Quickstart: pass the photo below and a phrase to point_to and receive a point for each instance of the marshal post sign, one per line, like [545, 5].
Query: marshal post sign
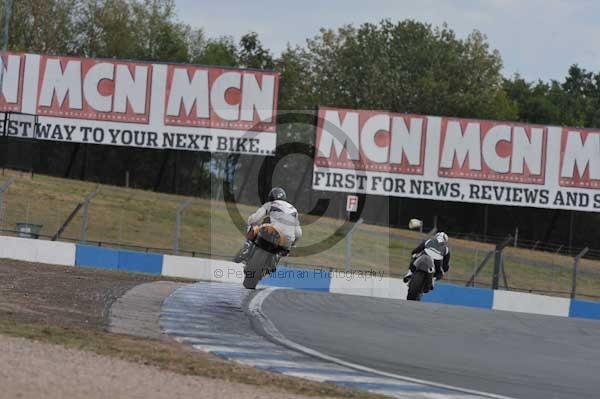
[455, 159]
[152, 105]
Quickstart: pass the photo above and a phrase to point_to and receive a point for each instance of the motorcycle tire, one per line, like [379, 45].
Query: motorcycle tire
[416, 285]
[257, 267]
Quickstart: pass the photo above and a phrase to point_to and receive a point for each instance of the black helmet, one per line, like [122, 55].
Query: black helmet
[277, 193]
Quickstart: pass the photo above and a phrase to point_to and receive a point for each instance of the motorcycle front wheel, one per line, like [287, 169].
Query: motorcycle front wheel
[415, 286]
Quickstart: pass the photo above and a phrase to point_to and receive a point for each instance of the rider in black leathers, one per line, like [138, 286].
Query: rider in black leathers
[441, 266]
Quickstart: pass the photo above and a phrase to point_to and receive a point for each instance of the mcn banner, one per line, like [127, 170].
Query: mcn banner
[454, 159]
[167, 106]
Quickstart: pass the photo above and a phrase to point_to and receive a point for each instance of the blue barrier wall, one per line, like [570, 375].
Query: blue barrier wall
[463, 296]
[140, 262]
[584, 309]
[96, 257]
[107, 258]
[305, 279]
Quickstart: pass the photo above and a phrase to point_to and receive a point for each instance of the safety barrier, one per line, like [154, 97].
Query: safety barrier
[304, 279]
[39, 251]
[373, 285]
[129, 261]
[369, 285]
[530, 303]
[202, 269]
[462, 296]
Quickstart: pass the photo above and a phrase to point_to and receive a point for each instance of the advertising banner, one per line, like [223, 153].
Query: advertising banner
[152, 105]
[455, 159]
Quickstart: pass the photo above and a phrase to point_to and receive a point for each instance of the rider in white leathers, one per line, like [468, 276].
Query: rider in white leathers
[282, 215]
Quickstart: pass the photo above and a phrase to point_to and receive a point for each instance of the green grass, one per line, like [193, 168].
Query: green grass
[129, 217]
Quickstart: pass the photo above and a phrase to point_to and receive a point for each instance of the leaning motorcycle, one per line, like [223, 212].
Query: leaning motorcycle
[422, 279]
[264, 255]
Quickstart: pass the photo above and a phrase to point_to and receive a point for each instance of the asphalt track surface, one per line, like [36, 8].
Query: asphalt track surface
[512, 354]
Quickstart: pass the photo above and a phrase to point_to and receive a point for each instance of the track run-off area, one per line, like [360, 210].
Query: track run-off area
[397, 348]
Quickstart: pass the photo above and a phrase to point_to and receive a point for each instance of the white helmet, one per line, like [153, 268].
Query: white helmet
[435, 249]
[442, 237]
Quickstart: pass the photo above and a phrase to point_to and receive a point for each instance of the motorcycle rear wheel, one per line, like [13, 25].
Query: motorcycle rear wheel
[416, 285]
[257, 267]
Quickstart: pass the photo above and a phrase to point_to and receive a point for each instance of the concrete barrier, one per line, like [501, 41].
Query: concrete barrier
[531, 303]
[304, 279]
[584, 309]
[140, 262]
[97, 257]
[113, 259]
[202, 269]
[351, 286]
[464, 296]
[388, 287]
[40, 251]
[60, 253]
[375, 286]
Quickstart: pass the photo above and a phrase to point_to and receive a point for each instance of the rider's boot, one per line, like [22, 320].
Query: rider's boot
[244, 253]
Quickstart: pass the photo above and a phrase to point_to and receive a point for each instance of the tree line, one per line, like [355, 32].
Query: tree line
[401, 66]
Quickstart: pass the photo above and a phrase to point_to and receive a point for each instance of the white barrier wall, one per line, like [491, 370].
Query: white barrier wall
[60, 253]
[40, 251]
[202, 269]
[531, 303]
[380, 287]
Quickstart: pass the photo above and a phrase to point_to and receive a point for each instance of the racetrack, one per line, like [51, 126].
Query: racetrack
[512, 354]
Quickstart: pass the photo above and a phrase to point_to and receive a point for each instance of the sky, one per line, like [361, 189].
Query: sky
[539, 39]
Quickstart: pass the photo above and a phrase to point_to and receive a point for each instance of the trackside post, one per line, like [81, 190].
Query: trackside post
[575, 267]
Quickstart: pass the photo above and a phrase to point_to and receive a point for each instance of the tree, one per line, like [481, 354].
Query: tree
[403, 67]
[106, 29]
[158, 36]
[221, 51]
[252, 54]
[43, 26]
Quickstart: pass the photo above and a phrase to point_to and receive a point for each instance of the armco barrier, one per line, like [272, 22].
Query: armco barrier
[531, 303]
[29, 250]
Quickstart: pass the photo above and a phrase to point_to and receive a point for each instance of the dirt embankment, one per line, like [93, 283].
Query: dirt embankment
[70, 306]
[31, 292]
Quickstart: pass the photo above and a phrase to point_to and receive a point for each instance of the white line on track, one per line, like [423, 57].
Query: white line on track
[255, 308]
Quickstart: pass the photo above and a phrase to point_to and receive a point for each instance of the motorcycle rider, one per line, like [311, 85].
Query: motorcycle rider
[441, 265]
[281, 214]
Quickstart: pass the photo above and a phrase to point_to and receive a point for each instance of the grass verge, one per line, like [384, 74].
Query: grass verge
[129, 217]
[170, 356]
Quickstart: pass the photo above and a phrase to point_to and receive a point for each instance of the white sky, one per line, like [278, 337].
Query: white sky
[539, 39]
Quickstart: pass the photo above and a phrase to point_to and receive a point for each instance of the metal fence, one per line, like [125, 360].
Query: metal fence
[156, 222]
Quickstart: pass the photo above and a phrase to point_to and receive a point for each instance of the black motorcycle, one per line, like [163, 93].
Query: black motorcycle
[264, 255]
[423, 268]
